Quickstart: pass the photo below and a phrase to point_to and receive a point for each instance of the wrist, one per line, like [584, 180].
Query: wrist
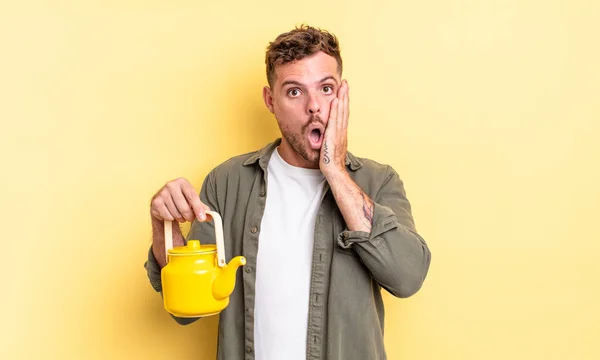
[157, 222]
[335, 174]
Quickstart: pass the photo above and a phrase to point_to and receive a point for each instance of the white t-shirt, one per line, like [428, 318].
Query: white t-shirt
[284, 260]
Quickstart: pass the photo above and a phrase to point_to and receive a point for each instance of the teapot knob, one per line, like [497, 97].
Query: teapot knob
[193, 245]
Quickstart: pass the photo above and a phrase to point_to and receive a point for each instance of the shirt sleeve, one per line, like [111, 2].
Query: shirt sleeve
[153, 271]
[395, 254]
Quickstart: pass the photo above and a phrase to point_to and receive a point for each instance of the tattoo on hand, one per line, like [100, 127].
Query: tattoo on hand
[367, 210]
[325, 154]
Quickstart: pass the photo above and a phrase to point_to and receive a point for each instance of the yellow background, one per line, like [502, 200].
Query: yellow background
[488, 109]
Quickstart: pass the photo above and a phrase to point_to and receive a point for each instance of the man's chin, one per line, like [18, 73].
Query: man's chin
[313, 156]
[306, 152]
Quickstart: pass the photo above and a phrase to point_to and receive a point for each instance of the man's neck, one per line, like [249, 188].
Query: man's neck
[290, 156]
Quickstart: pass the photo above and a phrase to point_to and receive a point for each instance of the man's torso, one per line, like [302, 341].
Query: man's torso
[345, 307]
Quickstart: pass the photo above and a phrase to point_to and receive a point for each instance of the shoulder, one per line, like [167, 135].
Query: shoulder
[373, 169]
[236, 166]
[373, 175]
[245, 164]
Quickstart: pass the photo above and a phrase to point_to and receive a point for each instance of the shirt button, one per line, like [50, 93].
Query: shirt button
[253, 230]
[248, 349]
[248, 269]
[262, 193]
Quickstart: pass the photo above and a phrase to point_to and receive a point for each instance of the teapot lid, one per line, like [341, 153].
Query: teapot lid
[193, 247]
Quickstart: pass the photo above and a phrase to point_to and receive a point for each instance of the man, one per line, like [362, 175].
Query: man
[322, 230]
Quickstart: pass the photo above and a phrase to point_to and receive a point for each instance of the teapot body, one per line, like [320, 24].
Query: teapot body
[196, 281]
[187, 282]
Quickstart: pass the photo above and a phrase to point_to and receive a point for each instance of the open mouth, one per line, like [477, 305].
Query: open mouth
[315, 138]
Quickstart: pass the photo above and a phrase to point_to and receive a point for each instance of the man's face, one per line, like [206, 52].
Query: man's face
[300, 99]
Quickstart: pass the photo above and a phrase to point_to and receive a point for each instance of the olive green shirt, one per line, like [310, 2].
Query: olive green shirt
[349, 268]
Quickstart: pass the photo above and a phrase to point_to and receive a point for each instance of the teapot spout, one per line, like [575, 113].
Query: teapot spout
[225, 281]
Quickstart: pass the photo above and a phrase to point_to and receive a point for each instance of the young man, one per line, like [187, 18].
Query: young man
[322, 230]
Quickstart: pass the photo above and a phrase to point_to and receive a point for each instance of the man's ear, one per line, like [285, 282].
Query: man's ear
[268, 98]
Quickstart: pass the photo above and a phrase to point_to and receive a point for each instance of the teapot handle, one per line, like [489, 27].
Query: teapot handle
[168, 238]
[218, 234]
[219, 237]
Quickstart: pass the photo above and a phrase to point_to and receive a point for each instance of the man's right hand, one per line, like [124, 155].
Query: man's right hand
[178, 200]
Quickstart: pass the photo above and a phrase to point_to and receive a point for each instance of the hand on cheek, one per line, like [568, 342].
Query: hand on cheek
[335, 143]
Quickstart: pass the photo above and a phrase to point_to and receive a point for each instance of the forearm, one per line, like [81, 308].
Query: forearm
[158, 240]
[383, 235]
[356, 207]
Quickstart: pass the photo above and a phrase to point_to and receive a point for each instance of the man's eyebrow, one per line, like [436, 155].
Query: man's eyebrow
[328, 78]
[294, 82]
[291, 82]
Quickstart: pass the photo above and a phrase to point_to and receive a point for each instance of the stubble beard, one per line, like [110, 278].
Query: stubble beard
[299, 143]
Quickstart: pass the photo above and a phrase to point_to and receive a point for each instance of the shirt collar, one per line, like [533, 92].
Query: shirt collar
[263, 155]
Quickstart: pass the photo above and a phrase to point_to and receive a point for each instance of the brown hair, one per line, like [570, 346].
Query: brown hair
[297, 44]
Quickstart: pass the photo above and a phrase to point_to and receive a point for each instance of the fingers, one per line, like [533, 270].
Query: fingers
[346, 106]
[341, 109]
[198, 208]
[333, 112]
[159, 210]
[169, 201]
[182, 206]
[178, 200]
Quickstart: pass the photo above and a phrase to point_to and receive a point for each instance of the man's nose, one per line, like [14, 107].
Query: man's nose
[314, 105]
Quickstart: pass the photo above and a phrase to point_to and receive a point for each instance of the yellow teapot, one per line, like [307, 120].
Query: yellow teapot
[196, 281]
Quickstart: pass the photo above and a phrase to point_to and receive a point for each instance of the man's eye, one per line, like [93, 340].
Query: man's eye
[294, 92]
[327, 89]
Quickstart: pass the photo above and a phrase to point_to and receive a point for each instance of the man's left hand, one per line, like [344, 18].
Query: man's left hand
[335, 142]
